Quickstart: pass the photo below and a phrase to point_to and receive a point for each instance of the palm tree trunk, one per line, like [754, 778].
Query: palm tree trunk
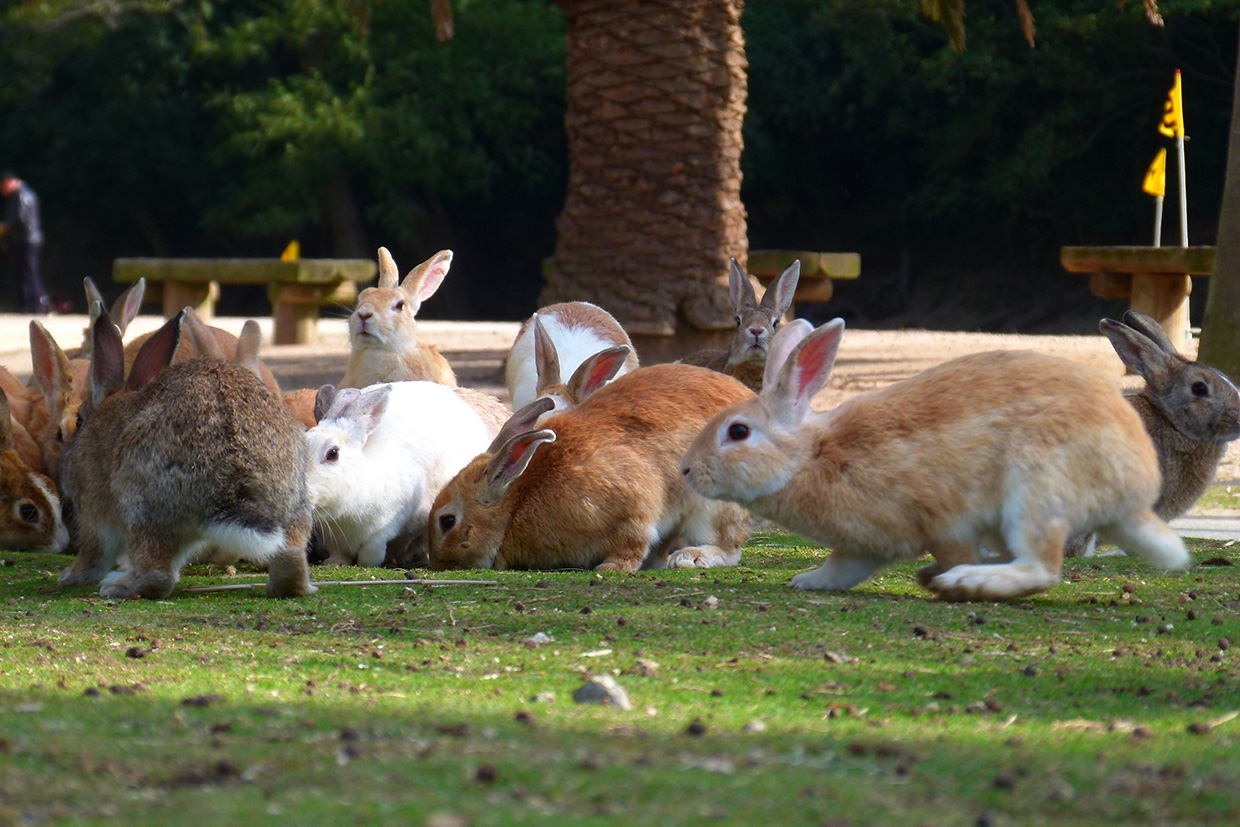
[1220, 334]
[656, 98]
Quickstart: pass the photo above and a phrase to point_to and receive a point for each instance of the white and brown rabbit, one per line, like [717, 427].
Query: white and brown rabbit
[595, 371]
[383, 338]
[597, 487]
[548, 358]
[1190, 411]
[756, 323]
[30, 518]
[1015, 450]
[169, 460]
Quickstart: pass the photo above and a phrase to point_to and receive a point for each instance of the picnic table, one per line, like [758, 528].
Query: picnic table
[297, 289]
[1155, 280]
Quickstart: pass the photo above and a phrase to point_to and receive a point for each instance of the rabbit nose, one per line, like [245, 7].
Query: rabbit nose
[364, 315]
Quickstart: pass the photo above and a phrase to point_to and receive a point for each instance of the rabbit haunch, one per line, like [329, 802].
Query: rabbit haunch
[598, 487]
[175, 458]
[378, 457]
[1014, 450]
[576, 331]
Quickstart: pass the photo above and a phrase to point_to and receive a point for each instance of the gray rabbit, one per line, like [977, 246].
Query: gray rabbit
[1190, 411]
[173, 458]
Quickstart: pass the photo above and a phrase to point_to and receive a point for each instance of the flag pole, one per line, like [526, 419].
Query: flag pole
[1179, 145]
[1158, 204]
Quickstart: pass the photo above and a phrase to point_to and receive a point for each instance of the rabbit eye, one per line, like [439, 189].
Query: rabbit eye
[333, 454]
[738, 432]
[60, 434]
[399, 306]
[28, 513]
[77, 421]
[447, 522]
[1200, 389]
[738, 321]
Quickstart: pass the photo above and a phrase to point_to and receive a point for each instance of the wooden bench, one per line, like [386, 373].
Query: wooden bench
[1155, 280]
[297, 289]
[817, 270]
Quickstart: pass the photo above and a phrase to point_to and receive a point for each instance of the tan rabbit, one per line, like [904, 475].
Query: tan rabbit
[1190, 411]
[27, 413]
[63, 384]
[756, 323]
[570, 332]
[29, 506]
[383, 340]
[597, 487]
[1015, 450]
[169, 460]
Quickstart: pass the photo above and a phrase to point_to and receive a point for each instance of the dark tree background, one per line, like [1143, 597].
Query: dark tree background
[228, 129]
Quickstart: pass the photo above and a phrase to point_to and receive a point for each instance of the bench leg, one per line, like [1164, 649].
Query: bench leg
[1166, 299]
[199, 295]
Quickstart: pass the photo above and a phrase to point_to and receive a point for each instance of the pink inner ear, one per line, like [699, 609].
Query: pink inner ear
[811, 362]
[603, 368]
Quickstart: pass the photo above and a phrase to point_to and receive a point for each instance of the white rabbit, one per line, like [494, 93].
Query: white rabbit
[1013, 449]
[575, 331]
[378, 457]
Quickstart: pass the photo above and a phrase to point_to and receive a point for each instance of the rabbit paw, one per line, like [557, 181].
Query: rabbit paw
[118, 585]
[702, 557]
[992, 582]
[75, 577]
[838, 573]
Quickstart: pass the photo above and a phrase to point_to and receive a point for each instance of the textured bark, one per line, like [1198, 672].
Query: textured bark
[1220, 334]
[656, 97]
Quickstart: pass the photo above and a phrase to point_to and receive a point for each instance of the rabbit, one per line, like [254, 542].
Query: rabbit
[124, 310]
[595, 487]
[573, 331]
[1191, 412]
[225, 344]
[1011, 448]
[30, 516]
[595, 371]
[756, 323]
[490, 410]
[383, 334]
[175, 457]
[27, 416]
[378, 457]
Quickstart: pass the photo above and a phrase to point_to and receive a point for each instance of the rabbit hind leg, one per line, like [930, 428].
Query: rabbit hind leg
[714, 540]
[839, 572]
[1036, 546]
[288, 574]
[1148, 537]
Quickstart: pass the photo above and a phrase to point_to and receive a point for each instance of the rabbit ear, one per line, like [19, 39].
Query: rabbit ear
[778, 297]
[50, 368]
[6, 424]
[249, 343]
[782, 343]
[388, 274]
[520, 421]
[510, 462]
[127, 305]
[107, 360]
[367, 408]
[596, 371]
[424, 280]
[156, 352]
[1150, 327]
[323, 401]
[740, 288]
[92, 292]
[1138, 352]
[805, 373]
[200, 336]
[546, 358]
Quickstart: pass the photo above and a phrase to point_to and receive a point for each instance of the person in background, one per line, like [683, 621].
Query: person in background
[23, 239]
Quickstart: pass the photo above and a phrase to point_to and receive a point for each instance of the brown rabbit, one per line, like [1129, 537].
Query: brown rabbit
[383, 340]
[1190, 411]
[29, 507]
[63, 384]
[168, 460]
[603, 491]
[124, 310]
[756, 323]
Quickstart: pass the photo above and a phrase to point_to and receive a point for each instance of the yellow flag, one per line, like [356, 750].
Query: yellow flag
[292, 252]
[1156, 177]
[1173, 111]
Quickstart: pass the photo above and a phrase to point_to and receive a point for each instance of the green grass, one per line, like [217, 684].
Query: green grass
[1220, 497]
[417, 704]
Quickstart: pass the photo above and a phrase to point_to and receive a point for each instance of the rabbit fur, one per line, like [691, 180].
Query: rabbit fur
[756, 323]
[573, 331]
[30, 516]
[169, 460]
[1190, 411]
[595, 487]
[379, 455]
[1013, 449]
[383, 343]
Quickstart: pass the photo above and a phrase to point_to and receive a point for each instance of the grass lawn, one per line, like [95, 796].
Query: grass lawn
[1110, 699]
